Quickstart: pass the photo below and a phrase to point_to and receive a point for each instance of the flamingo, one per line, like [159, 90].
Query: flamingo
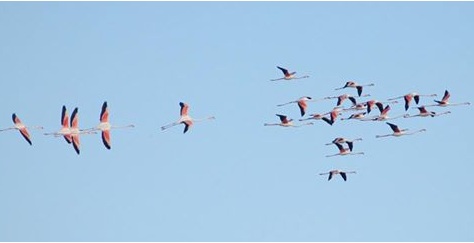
[105, 126]
[425, 113]
[383, 115]
[333, 116]
[75, 131]
[342, 98]
[185, 119]
[409, 97]
[335, 172]
[18, 125]
[357, 116]
[65, 129]
[285, 122]
[318, 117]
[445, 101]
[288, 75]
[341, 140]
[344, 151]
[352, 84]
[70, 131]
[372, 103]
[397, 132]
[302, 103]
[357, 107]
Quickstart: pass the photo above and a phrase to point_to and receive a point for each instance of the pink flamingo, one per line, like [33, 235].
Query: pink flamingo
[342, 98]
[352, 84]
[105, 126]
[185, 119]
[425, 113]
[65, 129]
[383, 115]
[372, 103]
[75, 131]
[344, 151]
[302, 103]
[397, 132]
[18, 125]
[288, 75]
[409, 97]
[357, 116]
[341, 140]
[336, 172]
[445, 101]
[285, 122]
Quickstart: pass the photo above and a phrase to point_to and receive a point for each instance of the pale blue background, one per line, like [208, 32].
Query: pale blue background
[233, 179]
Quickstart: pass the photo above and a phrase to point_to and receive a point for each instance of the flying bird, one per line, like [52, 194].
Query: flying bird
[383, 116]
[105, 126]
[344, 151]
[343, 97]
[333, 116]
[372, 103]
[411, 96]
[336, 172]
[65, 129]
[445, 101]
[288, 75]
[75, 131]
[185, 119]
[302, 103]
[397, 132]
[356, 116]
[426, 113]
[18, 125]
[341, 140]
[352, 84]
[285, 122]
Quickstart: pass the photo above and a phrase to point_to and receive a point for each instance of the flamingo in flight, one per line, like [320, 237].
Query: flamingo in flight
[445, 101]
[285, 122]
[288, 75]
[397, 132]
[105, 126]
[18, 125]
[342, 98]
[352, 84]
[372, 103]
[317, 116]
[65, 129]
[411, 96]
[344, 151]
[426, 113]
[357, 116]
[75, 131]
[383, 115]
[336, 172]
[332, 114]
[70, 130]
[341, 140]
[185, 119]
[302, 103]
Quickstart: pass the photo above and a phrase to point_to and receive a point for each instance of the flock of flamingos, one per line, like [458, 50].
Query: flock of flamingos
[71, 132]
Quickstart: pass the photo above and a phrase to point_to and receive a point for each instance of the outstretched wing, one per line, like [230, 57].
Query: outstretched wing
[104, 114]
[106, 138]
[184, 109]
[285, 71]
[393, 127]
[343, 174]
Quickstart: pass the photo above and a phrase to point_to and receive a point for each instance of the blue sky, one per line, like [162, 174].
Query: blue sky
[232, 179]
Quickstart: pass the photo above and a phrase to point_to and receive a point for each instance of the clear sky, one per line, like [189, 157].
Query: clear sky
[233, 179]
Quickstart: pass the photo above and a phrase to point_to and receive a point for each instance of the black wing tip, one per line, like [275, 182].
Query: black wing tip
[13, 117]
[359, 90]
[28, 140]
